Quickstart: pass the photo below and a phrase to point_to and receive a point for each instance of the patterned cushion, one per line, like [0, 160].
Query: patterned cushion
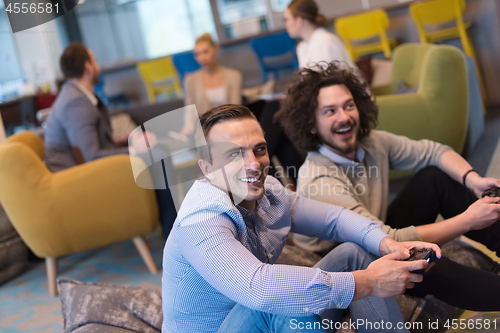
[13, 252]
[99, 307]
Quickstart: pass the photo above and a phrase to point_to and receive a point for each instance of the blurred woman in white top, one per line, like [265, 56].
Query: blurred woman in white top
[210, 86]
[303, 20]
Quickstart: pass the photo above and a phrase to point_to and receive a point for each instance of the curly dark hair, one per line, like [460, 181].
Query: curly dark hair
[297, 110]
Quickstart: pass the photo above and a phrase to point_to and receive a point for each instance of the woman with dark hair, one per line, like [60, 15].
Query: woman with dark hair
[303, 20]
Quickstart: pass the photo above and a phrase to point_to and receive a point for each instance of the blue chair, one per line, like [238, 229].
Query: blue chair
[185, 63]
[275, 53]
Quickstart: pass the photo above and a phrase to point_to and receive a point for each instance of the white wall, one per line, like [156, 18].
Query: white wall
[39, 49]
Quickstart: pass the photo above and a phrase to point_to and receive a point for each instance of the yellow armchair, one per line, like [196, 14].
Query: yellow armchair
[87, 206]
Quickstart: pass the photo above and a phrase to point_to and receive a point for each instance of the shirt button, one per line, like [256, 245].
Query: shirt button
[339, 305]
[307, 309]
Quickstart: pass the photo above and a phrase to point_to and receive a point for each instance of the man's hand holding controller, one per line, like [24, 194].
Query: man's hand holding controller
[393, 273]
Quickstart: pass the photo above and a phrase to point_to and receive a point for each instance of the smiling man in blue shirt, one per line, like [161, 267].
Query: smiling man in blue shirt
[218, 262]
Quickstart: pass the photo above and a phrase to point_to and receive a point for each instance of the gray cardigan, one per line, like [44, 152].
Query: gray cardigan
[74, 122]
[364, 189]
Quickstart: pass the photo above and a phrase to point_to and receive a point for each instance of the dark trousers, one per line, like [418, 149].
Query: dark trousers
[429, 193]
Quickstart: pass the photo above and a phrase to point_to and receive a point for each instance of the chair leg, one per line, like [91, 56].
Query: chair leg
[51, 265]
[143, 249]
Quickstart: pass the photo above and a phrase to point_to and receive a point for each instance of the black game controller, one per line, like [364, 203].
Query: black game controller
[491, 192]
[425, 254]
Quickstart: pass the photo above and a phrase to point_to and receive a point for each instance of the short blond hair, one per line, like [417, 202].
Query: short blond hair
[206, 37]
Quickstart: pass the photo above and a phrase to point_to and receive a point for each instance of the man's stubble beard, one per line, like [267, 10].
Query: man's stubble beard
[349, 149]
[96, 79]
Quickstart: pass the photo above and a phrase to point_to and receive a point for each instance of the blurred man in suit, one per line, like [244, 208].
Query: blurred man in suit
[79, 127]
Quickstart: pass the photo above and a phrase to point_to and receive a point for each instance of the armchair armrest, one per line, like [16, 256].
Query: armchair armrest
[382, 90]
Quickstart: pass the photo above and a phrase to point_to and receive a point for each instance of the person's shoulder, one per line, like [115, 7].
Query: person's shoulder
[379, 139]
[275, 193]
[204, 201]
[68, 92]
[326, 37]
[69, 97]
[192, 75]
[233, 73]
[321, 34]
[310, 168]
[271, 182]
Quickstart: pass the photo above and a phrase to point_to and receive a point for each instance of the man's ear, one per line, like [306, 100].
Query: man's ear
[206, 168]
[313, 131]
[88, 67]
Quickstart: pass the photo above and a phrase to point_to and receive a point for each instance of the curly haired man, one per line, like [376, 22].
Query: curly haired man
[330, 113]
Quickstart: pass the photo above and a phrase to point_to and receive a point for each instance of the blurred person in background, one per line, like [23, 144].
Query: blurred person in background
[79, 126]
[210, 86]
[303, 20]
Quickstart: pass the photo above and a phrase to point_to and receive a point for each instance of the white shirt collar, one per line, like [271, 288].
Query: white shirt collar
[87, 93]
[341, 160]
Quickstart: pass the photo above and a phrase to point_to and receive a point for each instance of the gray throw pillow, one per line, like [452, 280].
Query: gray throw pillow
[99, 307]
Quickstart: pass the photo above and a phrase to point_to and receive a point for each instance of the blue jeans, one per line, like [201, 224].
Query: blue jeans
[368, 313]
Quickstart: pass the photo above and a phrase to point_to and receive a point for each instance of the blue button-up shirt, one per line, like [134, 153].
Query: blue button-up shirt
[341, 160]
[219, 254]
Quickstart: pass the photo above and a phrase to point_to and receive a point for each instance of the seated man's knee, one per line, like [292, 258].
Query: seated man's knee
[345, 258]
